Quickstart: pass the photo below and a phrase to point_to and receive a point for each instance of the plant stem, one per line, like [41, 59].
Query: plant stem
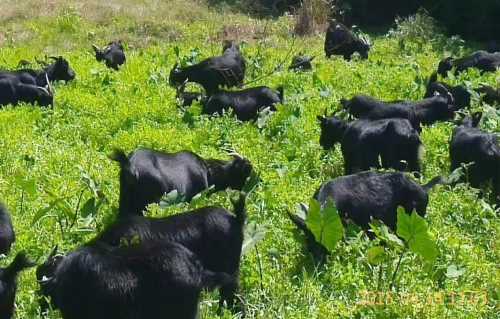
[379, 276]
[260, 269]
[22, 201]
[396, 270]
[77, 208]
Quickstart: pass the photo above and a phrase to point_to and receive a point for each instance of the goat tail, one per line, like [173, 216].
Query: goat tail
[212, 280]
[281, 93]
[435, 181]
[239, 207]
[119, 156]
[20, 263]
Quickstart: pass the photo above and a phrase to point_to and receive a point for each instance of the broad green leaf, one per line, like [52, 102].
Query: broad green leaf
[413, 229]
[325, 224]
[253, 234]
[375, 255]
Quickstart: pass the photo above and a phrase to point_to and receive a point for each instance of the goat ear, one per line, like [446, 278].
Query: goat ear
[321, 118]
[53, 252]
[96, 48]
[298, 222]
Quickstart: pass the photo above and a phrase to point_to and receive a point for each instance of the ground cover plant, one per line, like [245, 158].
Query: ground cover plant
[61, 188]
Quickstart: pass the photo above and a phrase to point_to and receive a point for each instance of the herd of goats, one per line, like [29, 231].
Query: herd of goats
[163, 272]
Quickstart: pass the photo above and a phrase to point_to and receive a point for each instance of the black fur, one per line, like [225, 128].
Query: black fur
[8, 284]
[14, 92]
[225, 70]
[301, 63]
[342, 41]
[146, 175]
[460, 94]
[482, 60]
[469, 144]
[427, 111]
[113, 54]
[212, 233]
[364, 141]
[246, 103]
[59, 70]
[7, 235]
[149, 279]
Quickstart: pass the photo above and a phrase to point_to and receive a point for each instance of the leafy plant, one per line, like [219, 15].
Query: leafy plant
[325, 224]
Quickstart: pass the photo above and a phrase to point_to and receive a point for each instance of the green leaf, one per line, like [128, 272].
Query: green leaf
[89, 208]
[375, 255]
[325, 224]
[253, 234]
[413, 229]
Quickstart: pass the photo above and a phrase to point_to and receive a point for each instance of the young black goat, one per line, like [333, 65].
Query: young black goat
[57, 71]
[212, 233]
[482, 60]
[146, 175]
[225, 70]
[364, 141]
[151, 279]
[8, 284]
[246, 104]
[14, 92]
[342, 41]
[7, 235]
[368, 195]
[113, 54]
[471, 145]
[427, 111]
[490, 94]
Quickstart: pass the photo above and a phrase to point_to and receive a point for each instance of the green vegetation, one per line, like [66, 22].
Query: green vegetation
[61, 188]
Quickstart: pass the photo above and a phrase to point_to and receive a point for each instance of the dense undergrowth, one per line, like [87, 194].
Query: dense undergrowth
[53, 162]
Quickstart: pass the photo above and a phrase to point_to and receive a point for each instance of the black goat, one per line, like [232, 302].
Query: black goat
[461, 96]
[491, 95]
[8, 284]
[301, 63]
[14, 92]
[364, 141]
[225, 70]
[471, 145]
[246, 104]
[342, 41]
[146, 175]
[482, 60]
[427, 111]
[212, 233]
[368, 195]
[57, 71]
[7, 234]
[151, 279]
[113, 54]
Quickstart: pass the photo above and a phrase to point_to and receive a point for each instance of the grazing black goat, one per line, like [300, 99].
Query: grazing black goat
[150, 279]
[301, 63]
[146, 175]
[212, 233]
[57, 71]
[8, 284]
[482, 60]
[246, 103]
[113, 54]
[7, 234]
[427, 111]
[460, 94]
[342, 41]
[368, 195]
[363, 142]
[225, 70]
[471, 145]
[14, 92]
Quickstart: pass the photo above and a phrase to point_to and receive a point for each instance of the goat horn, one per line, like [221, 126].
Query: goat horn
[49, 87]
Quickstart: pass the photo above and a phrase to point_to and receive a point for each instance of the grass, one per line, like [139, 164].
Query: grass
[45, 154]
